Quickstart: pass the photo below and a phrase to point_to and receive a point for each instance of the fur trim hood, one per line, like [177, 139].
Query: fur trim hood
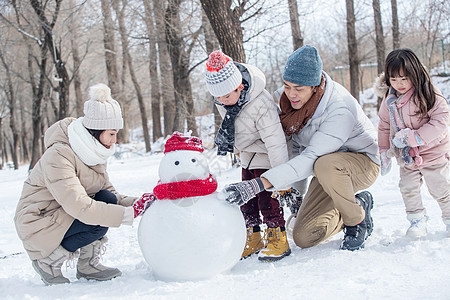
[380, 87]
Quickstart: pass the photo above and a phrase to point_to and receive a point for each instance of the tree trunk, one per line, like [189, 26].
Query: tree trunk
[24, 133]
[395, 26]
[111, 66]
[10, 96]
[352, 50]
[61, 76]
[38, 95]
[79, 100]
[297, 38]
[153, 70]
[2, 160]
[165, 67]
[110, 50]
[227, 26]
[180, 64]
[137, 87]
[212, 44]
[379, 44]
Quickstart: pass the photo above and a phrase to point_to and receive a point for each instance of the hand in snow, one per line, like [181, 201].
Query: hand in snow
[291, 197]
[400, 139]
[144, 202]
[241, 192]
[385, 163]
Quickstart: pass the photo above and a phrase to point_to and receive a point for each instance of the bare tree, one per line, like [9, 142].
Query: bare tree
[227, 26]
[352, 49]
[24, 132]
[395, 27]
[73, 27]
[431, 23]
[211, 44]
[153, 70]
[38, 95]
[10, 95]
[62, 76]
[297, 38]
[379, 43]
[165, 67]
[3, 115]
[180, 65]
[39, 84]
[126, 52]
[114, 81]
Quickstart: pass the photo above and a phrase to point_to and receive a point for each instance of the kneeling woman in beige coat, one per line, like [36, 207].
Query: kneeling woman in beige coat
[67, 201]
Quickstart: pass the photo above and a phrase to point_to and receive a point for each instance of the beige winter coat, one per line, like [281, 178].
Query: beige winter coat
[59, 190]
[259, 138]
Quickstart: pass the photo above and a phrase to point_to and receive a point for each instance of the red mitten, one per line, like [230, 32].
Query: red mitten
[144, 202]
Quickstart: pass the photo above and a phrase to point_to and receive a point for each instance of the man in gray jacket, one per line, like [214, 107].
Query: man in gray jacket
[335, 142]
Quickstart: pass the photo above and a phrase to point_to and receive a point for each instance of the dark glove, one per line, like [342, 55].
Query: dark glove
[292, 198]
[144, 202]
[241, 192]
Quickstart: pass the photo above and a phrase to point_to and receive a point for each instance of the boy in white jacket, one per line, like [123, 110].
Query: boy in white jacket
[251, 128]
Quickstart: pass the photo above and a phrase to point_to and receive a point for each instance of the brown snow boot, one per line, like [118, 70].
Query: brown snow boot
[89, 266]
[49, 268]
[277, 245]
[254, 243]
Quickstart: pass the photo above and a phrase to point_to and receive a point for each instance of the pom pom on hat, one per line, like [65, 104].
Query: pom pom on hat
[180, 142]
[304, 67]
[222, 75]
[101, 111]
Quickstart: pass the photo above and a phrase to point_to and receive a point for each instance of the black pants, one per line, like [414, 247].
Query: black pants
[263, 204]
[79, 234]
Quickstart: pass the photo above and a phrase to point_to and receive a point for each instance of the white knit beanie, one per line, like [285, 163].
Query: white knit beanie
[222, 76]
[102, 112]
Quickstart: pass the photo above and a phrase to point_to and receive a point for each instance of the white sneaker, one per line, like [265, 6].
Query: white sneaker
[418, 227]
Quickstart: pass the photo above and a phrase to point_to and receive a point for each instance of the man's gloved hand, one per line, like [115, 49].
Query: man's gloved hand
[241, 192]
[291, 197]
[385, 163]
[144, 202]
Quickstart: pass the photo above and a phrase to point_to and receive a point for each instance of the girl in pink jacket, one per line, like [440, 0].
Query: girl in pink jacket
[413, 128]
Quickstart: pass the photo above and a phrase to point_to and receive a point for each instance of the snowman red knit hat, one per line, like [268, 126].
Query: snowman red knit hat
[180, 142]
[222, 75]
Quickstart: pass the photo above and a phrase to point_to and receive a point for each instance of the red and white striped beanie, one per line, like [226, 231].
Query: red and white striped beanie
[222, 75]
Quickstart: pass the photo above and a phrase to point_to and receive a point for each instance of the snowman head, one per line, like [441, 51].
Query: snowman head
[183, 160]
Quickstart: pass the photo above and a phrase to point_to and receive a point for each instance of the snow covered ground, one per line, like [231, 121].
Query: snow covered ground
[390, 267]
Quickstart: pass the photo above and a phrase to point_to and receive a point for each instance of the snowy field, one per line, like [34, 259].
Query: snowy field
[391, 266]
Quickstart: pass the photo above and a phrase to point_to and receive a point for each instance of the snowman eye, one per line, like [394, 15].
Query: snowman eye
[177, 163]
[193, 160]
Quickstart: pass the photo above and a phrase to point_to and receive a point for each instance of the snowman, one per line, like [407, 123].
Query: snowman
[188, 233]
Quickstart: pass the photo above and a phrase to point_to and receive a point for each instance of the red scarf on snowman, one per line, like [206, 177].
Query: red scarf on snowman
[188, 188]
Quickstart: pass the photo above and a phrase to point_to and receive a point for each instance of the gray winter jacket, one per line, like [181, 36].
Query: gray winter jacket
[259, 138]
[338, 125]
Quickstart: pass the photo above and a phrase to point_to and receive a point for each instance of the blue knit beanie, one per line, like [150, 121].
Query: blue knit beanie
[304, 67]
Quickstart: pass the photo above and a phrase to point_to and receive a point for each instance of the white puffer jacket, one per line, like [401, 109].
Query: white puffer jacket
[259, 138]
[338, 125]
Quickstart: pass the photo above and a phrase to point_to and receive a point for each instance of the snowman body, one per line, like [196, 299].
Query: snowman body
[190, 238]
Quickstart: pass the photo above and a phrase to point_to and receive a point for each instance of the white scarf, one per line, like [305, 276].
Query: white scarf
[87, 147]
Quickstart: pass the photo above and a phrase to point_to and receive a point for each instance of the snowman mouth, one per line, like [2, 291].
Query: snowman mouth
[183, 189]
